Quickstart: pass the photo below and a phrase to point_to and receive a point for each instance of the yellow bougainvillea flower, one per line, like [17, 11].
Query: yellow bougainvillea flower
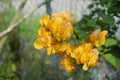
[86, 55]
[52, 49]
[55, 28]
[38, 44]
[66, 31]
[63, 46]
[68, 64]
[93, 57]
[61, 26]
[45, 20]
[44, 39]
[64, 49]
[42, 32]
[54, 35]
[89, 59]
[97, 38]
[77, 54]
[85, 67]
[65, 16]
[80, 50]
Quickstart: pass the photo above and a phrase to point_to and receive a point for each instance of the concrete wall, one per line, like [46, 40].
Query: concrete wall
[77, 7]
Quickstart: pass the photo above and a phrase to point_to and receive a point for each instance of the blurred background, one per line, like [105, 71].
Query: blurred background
[19, 60]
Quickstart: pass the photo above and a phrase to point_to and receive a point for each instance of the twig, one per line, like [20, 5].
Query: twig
[10, 27]
[18, 12]
[15, 24]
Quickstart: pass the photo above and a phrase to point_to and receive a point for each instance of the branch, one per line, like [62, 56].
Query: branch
[15, 24]
[10, 27]
[18, 12]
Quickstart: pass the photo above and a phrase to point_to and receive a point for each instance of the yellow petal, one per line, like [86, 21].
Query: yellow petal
[41, 31]
[101, 38]
[65, 46]
[66, 31]
[85, 67]
[45, 20]
[104, 33]
[68, 64]
[97, 38]
[38, 45]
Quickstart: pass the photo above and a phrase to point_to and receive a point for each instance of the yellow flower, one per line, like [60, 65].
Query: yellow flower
[65, 16]
[53, 36]
[93, 57]
[60, 26]
[85, 67]
[52, 49]
[55, 28]
[63, 46]
[64, 49]
[45, 20]
[66, 31]
[68, 64]
[97, 38]
[89, 59]
[77, 54]
[86, 55]
[44, 39]
[80, 50]
[69, 50]
[38, 44]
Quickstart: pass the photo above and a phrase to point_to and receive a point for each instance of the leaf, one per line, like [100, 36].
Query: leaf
[92, 23]
[109, 20]
[110, 42]
[104, 1]
[114, 6]
[112, 60]
[90, 6]
[113, 56]
[101, 13]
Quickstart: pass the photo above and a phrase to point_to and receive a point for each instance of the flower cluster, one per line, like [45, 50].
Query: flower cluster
[54, 35]
[54, 32]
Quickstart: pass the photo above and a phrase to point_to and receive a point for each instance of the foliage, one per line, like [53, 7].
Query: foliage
[103, 15]
[8, 68]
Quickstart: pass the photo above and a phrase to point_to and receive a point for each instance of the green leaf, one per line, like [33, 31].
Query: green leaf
[110, 42]
[92, 23]
[101, 13]
[113, 60]
[114, 6]
[91, 6]
[104, 1]
[110, 58]
[109, 20]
